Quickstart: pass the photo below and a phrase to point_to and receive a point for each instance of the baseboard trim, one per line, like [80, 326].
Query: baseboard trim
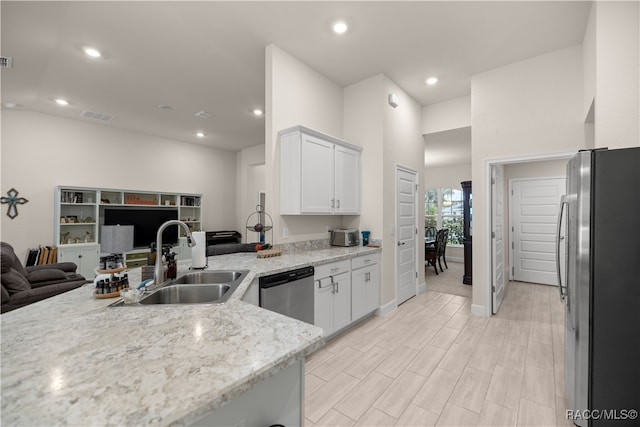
[479, 310]
[422, 288]
[387, 308]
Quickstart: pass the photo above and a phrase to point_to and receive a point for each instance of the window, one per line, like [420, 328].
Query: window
[443, 209]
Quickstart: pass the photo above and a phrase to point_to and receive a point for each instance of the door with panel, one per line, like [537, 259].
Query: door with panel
[406, 270]
[534, 205]
[497, 233]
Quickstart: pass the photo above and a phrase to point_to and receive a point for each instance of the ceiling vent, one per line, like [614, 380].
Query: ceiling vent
[204, 114]
[6, 61]
[96, 116]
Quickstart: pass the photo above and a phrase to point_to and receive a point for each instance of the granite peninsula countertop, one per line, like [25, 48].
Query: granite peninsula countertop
[71, 360]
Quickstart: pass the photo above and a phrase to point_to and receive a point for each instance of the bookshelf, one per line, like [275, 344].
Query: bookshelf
[79, 212]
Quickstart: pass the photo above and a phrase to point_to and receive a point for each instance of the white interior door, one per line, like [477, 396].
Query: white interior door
[405, 235]
[534, 205]
[497, 233]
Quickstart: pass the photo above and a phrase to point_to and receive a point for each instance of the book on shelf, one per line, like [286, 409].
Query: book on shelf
[41, 255]
[32, 257]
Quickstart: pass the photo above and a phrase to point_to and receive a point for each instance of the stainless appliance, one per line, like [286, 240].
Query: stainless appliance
[289, 293]
[344, 237]
[599, 230]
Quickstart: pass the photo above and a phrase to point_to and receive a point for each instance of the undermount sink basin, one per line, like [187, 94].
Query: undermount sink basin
[213, 276]
[187, 294]
[195, 287]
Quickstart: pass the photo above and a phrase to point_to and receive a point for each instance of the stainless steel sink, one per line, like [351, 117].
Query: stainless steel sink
[187, 294]
[212, 276]
[196, 287]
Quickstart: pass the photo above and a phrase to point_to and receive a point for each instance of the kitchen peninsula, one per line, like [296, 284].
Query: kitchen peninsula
[72, 360]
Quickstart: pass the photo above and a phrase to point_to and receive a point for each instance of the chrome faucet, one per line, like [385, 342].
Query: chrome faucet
[158, 273]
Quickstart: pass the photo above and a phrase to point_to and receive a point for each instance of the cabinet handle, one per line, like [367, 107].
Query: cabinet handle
[338, 204]
[322, 287]
[80, 256]
[333, 203]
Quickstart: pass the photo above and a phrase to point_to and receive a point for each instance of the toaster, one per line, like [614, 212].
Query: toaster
[344, 237]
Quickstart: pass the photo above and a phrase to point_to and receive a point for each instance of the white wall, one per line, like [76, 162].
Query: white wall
[526, 108]
[403, 145]
[446, 115]
[617, 112]
[449, 176]
[296, 95]
[40, 152]
[250, 180]
[363, 126]
[589, 63]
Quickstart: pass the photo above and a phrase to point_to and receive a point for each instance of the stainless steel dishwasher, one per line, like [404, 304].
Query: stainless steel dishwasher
[289, 293]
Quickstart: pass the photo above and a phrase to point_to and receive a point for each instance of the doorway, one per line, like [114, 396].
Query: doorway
[406, 229]
[534, 166]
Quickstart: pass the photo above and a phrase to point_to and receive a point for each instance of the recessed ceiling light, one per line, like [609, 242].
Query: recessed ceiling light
[92, 52]
[431, 81]
[165, 107]
[9, 105]
[61, 101]
[204, 114]
[258, 112]
[200, 134]
[340, 27]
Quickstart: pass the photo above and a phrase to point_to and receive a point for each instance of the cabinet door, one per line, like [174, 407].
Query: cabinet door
[342, 301]
[347, 180]
[372, 282]
[86, 258]
[323, 305]
[317, 175]
[358, 294]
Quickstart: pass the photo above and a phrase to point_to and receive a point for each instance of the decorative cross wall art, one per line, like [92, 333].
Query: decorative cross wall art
[13, 200]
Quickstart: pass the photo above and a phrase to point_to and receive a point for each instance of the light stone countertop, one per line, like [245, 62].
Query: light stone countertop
[71, 360]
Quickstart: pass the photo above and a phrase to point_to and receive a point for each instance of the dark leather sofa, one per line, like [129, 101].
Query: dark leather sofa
[23, 286]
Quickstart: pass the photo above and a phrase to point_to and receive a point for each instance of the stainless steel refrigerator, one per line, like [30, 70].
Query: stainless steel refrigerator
[599, 282]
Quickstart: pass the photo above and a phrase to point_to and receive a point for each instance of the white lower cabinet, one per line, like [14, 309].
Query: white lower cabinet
[86, 257]
[332, 296]
[365, 286]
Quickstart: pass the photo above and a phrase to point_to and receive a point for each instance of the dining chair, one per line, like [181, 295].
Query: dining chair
[443, 248]
[432, 253]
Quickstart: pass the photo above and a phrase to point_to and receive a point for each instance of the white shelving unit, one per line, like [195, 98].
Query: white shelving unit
[79, 212]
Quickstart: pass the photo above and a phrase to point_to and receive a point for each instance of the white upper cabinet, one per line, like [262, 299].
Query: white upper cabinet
[316, 175]
[319, 174]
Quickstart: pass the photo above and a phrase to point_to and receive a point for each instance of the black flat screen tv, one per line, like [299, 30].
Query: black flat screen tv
[145, 221]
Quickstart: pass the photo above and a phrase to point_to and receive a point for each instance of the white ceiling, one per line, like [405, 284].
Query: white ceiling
[210, 55]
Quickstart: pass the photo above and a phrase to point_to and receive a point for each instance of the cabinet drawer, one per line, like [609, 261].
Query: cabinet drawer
[364, 260]
[332, 269]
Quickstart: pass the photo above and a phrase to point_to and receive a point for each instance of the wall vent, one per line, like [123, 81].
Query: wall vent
[6, 61]
[204, 114]
[96, 116]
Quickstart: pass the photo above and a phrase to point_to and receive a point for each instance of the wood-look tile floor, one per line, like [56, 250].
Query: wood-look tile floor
[431, 363]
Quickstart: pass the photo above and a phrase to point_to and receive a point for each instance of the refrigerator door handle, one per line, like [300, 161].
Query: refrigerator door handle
[562, 289]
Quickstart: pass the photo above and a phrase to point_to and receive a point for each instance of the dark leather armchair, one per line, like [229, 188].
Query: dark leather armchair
[23, 286]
